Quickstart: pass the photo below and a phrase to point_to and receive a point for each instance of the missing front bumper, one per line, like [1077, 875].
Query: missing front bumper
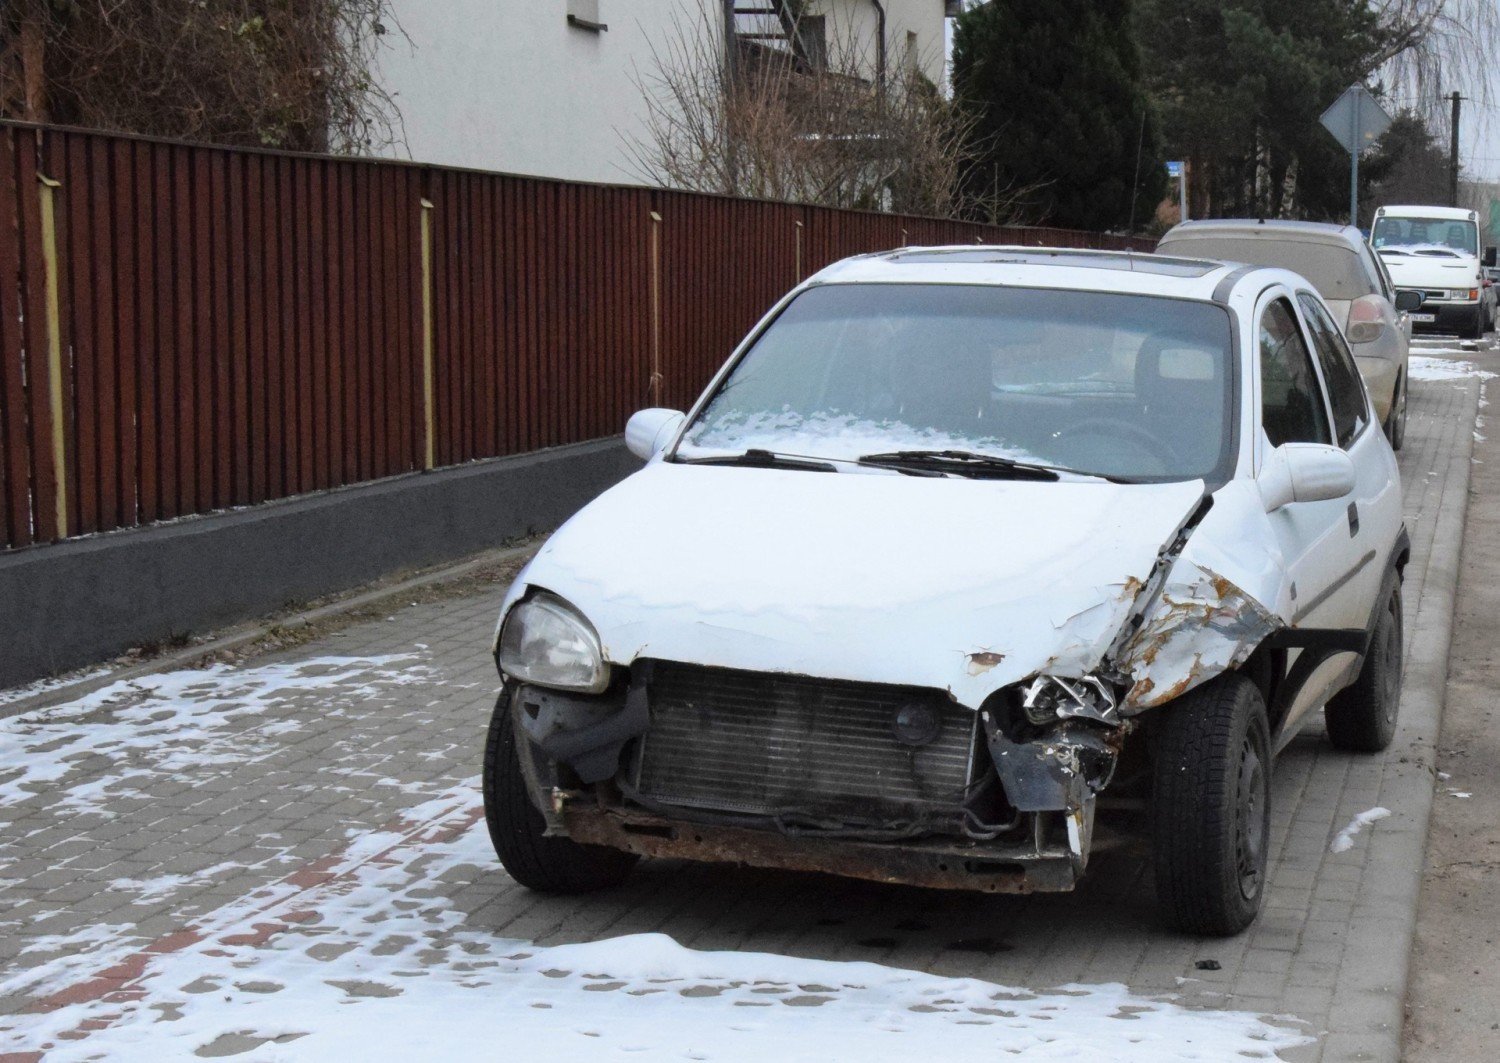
[1040, 863]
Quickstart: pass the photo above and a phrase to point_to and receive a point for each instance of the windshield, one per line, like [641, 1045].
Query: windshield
[1104, 384]
[1433, 234]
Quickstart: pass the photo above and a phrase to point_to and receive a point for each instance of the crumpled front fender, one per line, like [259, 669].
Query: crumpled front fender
[1208, 607]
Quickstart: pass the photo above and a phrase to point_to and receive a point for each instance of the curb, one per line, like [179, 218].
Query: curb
[247, 635]
[1370, 992]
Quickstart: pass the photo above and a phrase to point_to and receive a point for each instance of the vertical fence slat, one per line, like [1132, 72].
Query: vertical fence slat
[15, 478]
[148, 360]
[34, 340]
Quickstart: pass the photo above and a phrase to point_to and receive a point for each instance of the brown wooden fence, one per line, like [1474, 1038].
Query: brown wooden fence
[187, 328]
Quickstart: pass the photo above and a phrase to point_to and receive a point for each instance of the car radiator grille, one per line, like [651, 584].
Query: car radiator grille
[767, 744]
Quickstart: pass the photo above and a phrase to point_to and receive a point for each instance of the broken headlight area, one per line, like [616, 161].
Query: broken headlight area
[1054, 740]
[1048, 698]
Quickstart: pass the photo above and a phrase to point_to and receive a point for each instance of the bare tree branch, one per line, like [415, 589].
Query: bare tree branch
[768, 127]
[272, 73]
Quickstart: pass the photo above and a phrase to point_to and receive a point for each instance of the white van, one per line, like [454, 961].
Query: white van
[1435, 251]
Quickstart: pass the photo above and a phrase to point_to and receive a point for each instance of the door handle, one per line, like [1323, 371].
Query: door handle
[1353, 519]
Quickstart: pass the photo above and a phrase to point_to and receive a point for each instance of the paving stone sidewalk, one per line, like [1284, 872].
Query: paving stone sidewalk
[111, 846]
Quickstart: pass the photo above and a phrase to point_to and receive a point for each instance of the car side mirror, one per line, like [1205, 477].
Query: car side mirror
[1305, 472]
[1489, 255]
[1408, 301]
[649, 431]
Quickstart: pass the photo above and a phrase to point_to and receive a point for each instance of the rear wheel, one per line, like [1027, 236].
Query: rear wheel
[1211, 814]
[550, 865]
[1395, 420]
[1362, 717]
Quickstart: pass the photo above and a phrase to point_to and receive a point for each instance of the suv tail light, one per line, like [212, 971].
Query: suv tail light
[1366, 319]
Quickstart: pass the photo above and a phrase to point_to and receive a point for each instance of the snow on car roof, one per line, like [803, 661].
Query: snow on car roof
[1040, 267]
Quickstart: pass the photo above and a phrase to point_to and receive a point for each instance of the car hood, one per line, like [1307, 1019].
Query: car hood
[951, 583]
[1426, 271]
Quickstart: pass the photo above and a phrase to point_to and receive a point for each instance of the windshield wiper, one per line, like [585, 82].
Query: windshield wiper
[961, 462]
[757, 458]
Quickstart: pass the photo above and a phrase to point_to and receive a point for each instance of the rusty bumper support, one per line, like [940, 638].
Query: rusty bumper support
[1037, 864]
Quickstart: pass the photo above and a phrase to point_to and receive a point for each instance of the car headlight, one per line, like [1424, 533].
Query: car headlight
[545, 641]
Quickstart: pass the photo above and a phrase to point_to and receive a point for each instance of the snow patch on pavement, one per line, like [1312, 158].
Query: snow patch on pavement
[42, 686]
[1344, 840]
[1422, 367]
[146, 890]
[59, 960]
[174, 723]
[378, 964]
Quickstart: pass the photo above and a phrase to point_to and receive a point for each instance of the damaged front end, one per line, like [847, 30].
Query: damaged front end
[989, 783]
[886, 783]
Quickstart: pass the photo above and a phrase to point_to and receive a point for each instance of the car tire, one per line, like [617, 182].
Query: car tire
[548, 865]
[1211, 816]
[1475, 329]
[1395, 420]
[1361, 718]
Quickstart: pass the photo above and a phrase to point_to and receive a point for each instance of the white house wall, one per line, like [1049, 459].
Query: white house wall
[859, 19]
[510, 85]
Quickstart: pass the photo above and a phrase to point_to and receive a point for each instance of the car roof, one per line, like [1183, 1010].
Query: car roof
[1317, 232]
[1419, 211]
[1127, 272]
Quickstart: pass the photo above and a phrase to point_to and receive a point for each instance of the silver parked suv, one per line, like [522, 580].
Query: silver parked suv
[1352, 280]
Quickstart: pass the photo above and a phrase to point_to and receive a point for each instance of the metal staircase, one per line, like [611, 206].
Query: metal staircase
[777, 26]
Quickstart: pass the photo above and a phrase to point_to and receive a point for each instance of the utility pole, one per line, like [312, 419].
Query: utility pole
[1453, 155]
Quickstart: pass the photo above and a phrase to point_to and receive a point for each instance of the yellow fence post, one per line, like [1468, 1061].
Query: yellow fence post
[429, 398]
[54, 351]
[655, 309]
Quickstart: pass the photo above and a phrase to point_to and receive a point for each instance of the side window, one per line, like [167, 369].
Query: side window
[1346, 391]
[1379, 283]
[1387, 287]
[1291, 400]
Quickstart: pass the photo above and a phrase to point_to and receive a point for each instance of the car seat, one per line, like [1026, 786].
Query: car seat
[1180, 389]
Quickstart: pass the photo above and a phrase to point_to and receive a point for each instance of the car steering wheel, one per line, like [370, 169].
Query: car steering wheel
[1118, 433]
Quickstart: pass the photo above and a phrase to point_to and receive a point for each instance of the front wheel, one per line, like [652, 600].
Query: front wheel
[1475, 329]
[1362, 717]
[1211, 807]
[548, 865]
[1395, 420]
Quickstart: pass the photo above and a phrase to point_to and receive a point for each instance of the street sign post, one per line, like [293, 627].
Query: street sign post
[1356, 120]
[1178, 170]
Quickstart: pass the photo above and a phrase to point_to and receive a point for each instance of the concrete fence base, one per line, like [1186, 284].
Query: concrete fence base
[82, 601]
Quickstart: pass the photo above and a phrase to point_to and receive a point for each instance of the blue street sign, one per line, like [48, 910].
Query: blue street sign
[1174, 169]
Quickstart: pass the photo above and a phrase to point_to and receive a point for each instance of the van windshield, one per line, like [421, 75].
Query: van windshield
[1415, 233]
[1126, 386]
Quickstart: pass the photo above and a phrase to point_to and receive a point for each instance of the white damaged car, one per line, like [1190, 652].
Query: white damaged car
[962, 548]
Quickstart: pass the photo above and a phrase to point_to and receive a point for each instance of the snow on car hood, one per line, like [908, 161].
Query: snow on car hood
[959, 584]
[1427, 266]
